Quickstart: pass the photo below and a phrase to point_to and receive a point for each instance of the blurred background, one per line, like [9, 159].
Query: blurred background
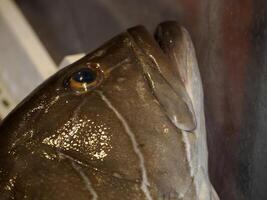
[38, 36]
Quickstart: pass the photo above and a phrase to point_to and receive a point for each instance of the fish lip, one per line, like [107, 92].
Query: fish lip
[169, 34]
[144, 45]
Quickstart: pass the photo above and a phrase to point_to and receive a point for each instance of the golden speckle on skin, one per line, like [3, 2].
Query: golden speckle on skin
[82, 135]
[49, 156]
[51, 104]
[24, 137]
[11, 183]
[43, 105]
[166, 130]
[39, 107]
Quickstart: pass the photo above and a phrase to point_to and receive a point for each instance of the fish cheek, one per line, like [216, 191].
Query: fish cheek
[157, 141]
[93, 135]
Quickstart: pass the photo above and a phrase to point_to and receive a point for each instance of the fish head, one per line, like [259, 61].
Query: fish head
[118, 123]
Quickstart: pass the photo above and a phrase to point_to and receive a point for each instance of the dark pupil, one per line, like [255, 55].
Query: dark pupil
[84, 76]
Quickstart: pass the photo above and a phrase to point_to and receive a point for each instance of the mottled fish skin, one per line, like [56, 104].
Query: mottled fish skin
[118, 140]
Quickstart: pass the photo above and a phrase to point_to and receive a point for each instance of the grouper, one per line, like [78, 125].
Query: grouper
[125, 122]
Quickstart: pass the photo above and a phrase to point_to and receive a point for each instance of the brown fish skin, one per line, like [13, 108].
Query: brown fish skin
[176, 43]
[115, 141]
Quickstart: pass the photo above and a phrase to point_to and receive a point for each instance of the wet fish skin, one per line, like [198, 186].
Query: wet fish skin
[116, 141]
[175, 41]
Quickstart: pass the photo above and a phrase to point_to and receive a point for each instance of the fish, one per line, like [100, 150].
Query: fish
[124, 122]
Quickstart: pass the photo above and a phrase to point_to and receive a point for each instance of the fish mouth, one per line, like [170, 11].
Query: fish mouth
[163, 78]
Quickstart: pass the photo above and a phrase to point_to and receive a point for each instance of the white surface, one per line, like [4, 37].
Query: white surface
[6, 102]
[70, 59]
[24, 62]
[26, 38]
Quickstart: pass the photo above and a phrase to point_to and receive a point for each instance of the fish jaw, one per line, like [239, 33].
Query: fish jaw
[176, 42]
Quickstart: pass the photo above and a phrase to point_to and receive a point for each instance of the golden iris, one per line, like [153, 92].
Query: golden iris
[83, 80]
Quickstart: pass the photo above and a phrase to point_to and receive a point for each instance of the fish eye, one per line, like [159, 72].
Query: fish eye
[83, 80]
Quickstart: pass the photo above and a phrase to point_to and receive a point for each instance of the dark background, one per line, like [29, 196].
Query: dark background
[230, 40]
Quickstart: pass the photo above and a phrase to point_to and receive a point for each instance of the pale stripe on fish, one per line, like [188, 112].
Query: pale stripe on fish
[86, 180]
[78, 169]
[145, 182]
